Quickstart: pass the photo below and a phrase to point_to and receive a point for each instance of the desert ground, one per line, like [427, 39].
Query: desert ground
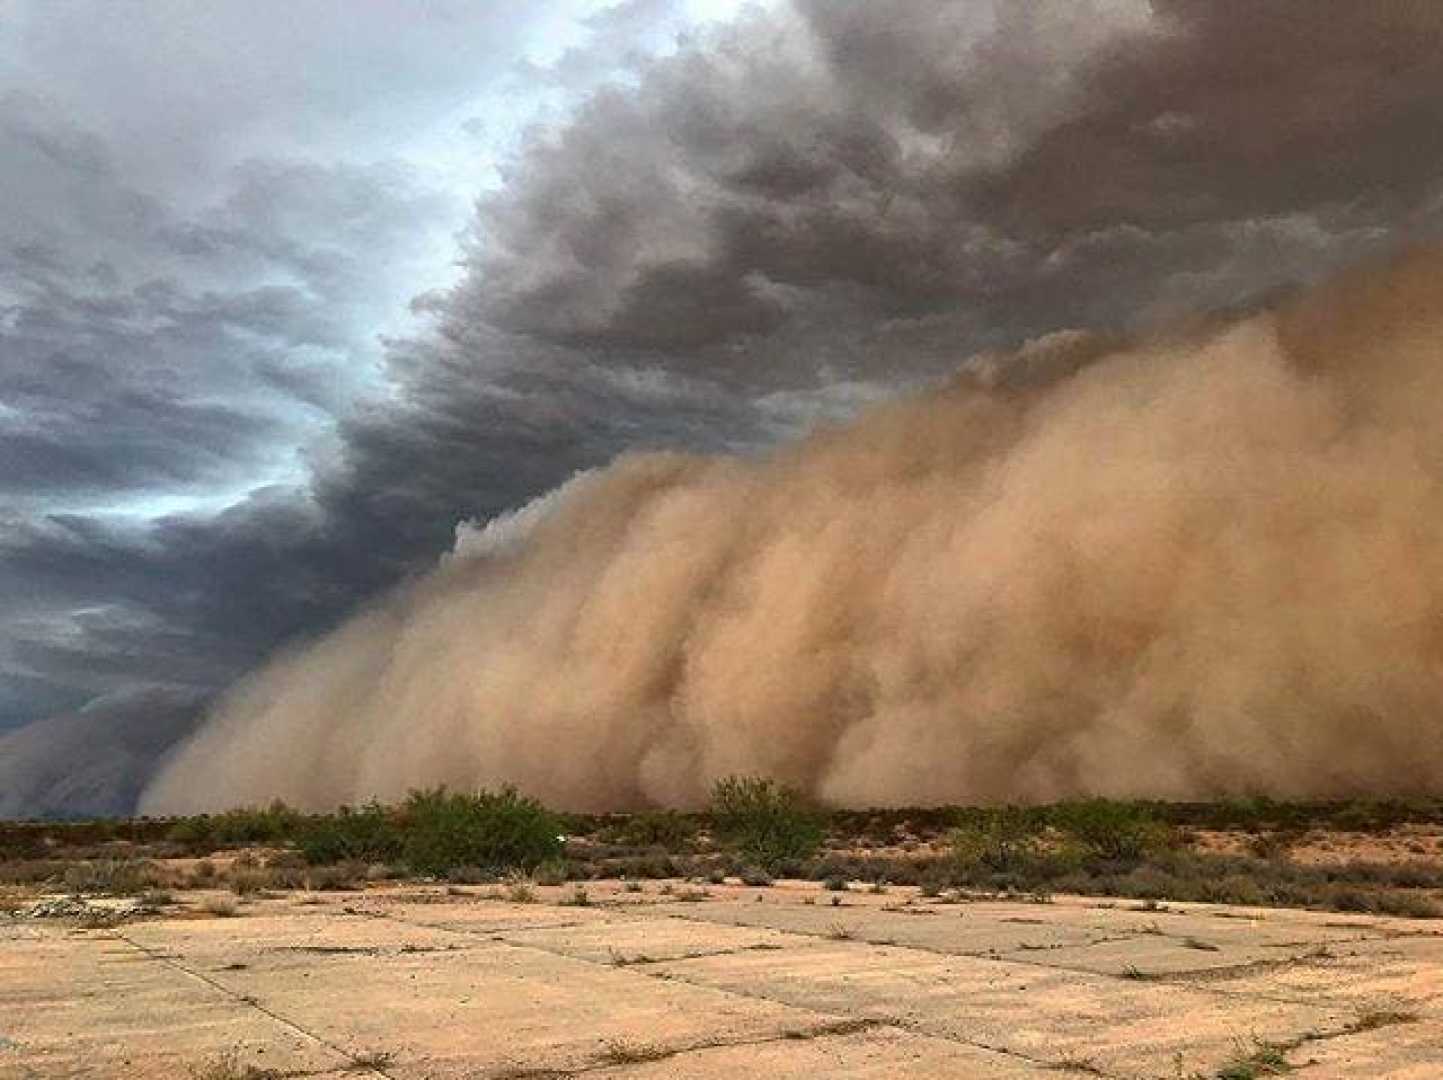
[488, 937]
[670, 979]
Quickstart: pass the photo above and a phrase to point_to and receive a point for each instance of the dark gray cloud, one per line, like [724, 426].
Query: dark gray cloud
[1033, 165]
[145, 351]
[778, 221]
[91, 762]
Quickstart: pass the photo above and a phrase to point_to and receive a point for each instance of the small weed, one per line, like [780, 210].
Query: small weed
[1074, 1064]
[838, 932]
[222, 907]
[227, 1065]
[1200, 945]
[371, 1059]
[620, 959]
[624, 1052]
[519, 891]
[1264, 1059]
[1379, 1018]
[248, 881]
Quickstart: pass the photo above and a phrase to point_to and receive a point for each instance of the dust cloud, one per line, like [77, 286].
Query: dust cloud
[1204, 564]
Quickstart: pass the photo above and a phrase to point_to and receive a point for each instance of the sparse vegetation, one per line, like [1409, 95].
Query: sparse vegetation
[366, 833]
[222, 907]
[656, 828]
[625, 1052]
[1003, 842]
[372, 1059]
[1115, 831]
[111, 877]
[500, 830]
[768, 824]
[552, 872]
[758, 830]
[1259, 1059]
[227, 1065]
[519, 891]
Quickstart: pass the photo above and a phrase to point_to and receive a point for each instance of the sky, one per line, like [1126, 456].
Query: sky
[290, 290]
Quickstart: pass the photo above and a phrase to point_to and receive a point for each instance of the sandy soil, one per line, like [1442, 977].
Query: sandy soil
[419, 982]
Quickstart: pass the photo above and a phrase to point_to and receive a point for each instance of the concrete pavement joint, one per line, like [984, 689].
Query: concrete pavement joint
[349, 1058]
[1195, 979]
[890, 1021]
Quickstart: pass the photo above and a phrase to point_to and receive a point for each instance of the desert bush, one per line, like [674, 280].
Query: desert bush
[114, 877]
[641, 866]
[457, 875]
[519, 891]
[1119, 831]
[497, 831]
[1408, 905]
[768, 823]
[271, 824]
[552, 872]
[347, 876]
[31, 871]
[288, 877]
[268, 825]
[657, 828]
[367, 833]
[191, 831]
[249, 880]
[222, 907]
[756, 876]
[1003, 842]
[228, 1066]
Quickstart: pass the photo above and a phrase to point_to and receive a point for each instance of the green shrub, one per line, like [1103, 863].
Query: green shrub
[497, 831]
[657, 828]
[769, 824]
[552, 872]
[272, 824]
[193, 831]
[368, 834]
[1118, 831]
[1003, 841]
[347, 876]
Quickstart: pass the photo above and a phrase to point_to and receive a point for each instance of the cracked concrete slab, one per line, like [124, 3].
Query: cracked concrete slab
[866, 1055]
[498, 1005]
[88, 1004]
[437, 982]
[1401, 1051]
[1121, 1026]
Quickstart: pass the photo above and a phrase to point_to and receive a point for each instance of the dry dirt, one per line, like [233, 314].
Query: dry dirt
[435, 982]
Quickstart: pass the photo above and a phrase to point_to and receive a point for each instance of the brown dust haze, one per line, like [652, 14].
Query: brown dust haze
[1202, 565]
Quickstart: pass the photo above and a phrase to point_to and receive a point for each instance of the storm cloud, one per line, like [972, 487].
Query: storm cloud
[770, 224]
